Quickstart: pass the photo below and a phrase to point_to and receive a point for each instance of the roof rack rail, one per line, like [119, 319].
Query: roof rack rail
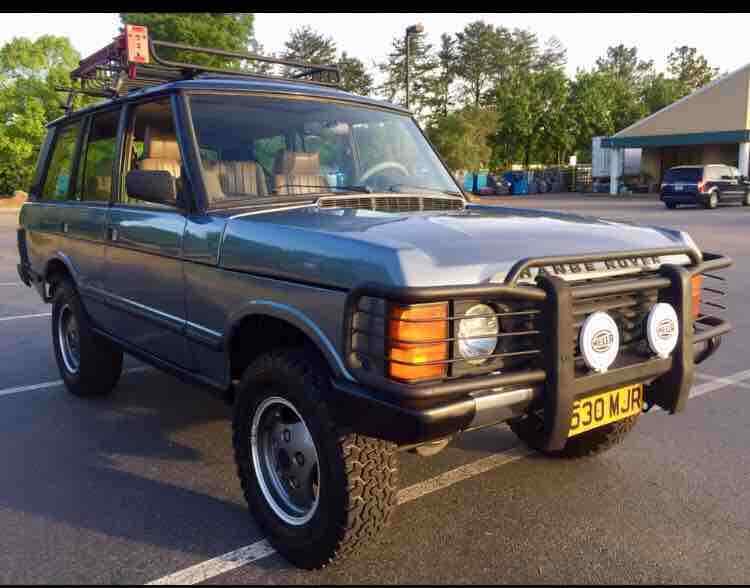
[131, 62]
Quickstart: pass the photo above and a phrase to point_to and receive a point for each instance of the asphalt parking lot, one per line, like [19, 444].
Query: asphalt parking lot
[141, 487]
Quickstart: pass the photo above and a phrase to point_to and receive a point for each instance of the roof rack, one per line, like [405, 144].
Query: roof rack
[131, 62]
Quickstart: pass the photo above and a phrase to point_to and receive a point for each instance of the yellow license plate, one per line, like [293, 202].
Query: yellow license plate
[594, 411]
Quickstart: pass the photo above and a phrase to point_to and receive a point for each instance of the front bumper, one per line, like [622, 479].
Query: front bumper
[409, 414]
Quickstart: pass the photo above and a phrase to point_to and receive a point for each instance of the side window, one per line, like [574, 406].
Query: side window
[151, 145]
[58, 179]
[99, 158]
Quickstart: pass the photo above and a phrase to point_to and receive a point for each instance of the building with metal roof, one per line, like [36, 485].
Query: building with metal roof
[711, 125]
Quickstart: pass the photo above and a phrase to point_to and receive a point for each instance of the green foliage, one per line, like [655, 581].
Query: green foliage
[220, 30]
[29, 72]
[306, 44]
[463, 137]
[690, 68]
[422, 65]
[354, 76]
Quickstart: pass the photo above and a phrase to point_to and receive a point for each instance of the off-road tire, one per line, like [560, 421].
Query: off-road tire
[100, 364]
[529, 430]
[358, 474]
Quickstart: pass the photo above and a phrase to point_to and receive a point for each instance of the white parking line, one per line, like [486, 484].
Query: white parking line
[54, 383]
[12, 284]
[24, 316]
[250, 553]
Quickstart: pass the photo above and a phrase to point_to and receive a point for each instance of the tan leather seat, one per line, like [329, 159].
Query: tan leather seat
[298, 173]
[242, 178]
[160, 152]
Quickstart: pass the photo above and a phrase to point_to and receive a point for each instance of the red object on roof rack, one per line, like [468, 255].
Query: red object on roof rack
[131, 62]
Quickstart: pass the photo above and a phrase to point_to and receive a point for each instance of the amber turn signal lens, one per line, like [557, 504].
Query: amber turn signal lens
[696, 283]
[417, 338]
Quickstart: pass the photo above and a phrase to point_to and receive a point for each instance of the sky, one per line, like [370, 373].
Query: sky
[369, 36]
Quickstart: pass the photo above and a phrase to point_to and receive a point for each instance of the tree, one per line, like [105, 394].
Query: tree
[462, 137]
[354, 75]
[29, 72]
[589, 109]
[438, 87]
[421, 68]
[219, 30]
[308, 45]
[690, 68]
[661, 91]
[532, 117]
[622, 64]
[478, 50]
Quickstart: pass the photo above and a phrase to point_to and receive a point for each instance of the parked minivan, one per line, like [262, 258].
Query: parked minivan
[704, 185]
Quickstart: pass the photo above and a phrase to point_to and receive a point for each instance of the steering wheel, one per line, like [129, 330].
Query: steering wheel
[379, 167]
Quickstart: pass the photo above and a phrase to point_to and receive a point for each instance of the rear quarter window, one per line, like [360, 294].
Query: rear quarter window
[58, 181]
[687, 174]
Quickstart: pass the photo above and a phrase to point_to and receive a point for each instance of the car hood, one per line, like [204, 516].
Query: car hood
[346, 247]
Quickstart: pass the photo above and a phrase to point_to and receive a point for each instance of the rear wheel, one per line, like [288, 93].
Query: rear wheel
[746, 198]
[712, 201]
[89, 364]
[670, 205]
[318, 492]
[530, 430]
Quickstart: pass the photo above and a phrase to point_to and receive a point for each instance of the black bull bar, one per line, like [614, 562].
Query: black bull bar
[668, 379]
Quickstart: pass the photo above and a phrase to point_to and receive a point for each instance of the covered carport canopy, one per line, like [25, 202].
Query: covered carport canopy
[711, 125]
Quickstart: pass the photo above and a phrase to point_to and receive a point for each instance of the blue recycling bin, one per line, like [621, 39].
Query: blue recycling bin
[518, 182]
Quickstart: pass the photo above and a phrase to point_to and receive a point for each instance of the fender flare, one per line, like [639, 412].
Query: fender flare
[294, 317]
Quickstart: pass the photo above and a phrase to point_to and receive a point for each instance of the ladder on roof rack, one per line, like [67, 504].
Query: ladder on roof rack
[131, 62]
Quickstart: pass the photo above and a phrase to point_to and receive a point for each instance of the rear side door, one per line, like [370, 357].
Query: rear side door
[86, 215]
[144, 282]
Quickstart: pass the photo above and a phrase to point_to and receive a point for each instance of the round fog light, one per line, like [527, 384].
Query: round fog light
[599, 341]
[662, 329]
[477, 334]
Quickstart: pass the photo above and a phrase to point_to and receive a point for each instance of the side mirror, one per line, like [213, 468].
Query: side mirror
[156, 186]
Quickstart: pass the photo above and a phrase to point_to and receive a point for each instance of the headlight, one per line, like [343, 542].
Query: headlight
[477, 334]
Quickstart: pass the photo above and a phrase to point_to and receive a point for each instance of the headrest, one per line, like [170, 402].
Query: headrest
[157, 145]
[297, 163]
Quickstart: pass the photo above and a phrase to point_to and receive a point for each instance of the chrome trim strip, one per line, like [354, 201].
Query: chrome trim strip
[269, 210]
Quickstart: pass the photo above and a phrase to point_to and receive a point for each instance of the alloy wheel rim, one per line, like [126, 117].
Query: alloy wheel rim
[69, 339]
[285, 460]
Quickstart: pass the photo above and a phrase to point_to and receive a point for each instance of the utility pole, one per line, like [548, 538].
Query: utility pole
[410, 31]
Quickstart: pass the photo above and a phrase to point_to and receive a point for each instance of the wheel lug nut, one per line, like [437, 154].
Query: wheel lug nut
[299, 459]
[287, 435]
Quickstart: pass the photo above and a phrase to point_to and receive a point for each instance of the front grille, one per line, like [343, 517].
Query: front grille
[395, 203]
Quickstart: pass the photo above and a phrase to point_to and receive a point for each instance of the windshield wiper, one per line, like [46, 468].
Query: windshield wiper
[394, 188]
[362, 189]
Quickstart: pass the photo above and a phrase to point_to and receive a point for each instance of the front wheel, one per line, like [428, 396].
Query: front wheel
[89, 364]
[713, 200]
[530, 430]
[746, 198]
[319, 493]
[671, 205]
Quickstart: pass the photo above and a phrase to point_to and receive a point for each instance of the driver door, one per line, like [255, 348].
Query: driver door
[144, 281]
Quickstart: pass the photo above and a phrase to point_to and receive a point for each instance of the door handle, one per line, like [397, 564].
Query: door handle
[112, 233]
[64, 227]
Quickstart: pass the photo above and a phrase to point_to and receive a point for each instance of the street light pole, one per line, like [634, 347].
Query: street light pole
[412, 30]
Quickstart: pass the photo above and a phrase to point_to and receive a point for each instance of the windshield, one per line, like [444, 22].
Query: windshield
[684, 174]
[275, 149]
